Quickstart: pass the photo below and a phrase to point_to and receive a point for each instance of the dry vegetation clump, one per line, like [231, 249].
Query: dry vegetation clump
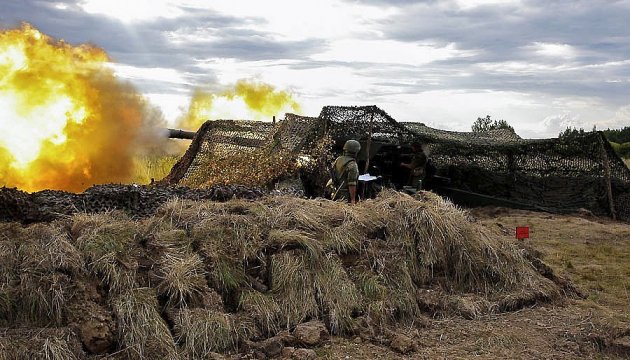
[338, 296]
[203, 277]
[10, 235]
[39, 344]
[321, 259]
[263, 309]
[109, 245]
[45, 261]
[202, 331]
[143, 333]
[293, 288]
[181, 278]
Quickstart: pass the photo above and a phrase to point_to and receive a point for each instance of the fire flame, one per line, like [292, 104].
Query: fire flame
[247, 99]
[66, 122]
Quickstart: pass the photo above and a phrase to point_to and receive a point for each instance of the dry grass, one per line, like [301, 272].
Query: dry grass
[293, 288]
[592, 253]
[10, 235]
[279, 261]
[142, 332]
[46, 260]
[337, 294]
[182, 278]
[56, 349]
[264, 309]
[45, 344]
[202, 331]
[109, 246]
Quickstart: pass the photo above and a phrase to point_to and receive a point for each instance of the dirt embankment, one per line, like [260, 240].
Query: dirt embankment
[258, 278]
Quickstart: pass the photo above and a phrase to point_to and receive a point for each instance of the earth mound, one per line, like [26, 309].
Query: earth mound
[204, 277]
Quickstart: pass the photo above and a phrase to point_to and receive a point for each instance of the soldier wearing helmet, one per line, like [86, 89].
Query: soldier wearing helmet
[416, 166]
[346, 172]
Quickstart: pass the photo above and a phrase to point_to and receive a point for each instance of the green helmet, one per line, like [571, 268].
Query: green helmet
[352, 146]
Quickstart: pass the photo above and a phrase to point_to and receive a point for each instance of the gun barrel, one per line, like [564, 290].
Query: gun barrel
[180, 134]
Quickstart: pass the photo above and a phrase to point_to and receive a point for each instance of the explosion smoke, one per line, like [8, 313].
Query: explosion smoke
[66, 121]
[246, 99]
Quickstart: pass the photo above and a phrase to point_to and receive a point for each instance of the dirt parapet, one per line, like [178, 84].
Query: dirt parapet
[201, 277]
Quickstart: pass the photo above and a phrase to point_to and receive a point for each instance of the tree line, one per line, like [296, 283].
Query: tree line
[619, 138]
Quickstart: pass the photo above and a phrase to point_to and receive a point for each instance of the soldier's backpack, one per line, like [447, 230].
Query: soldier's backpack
[335, 183]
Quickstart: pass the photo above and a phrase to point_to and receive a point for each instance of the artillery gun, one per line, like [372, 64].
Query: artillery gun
[180, 134]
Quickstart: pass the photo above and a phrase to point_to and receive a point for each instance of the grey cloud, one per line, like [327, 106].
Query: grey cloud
[500, 34]
[145, 44]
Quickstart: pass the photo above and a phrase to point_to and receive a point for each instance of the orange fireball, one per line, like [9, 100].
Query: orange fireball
[66, 122]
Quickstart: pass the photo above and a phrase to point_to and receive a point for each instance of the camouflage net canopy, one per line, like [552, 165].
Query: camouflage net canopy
[558, 175]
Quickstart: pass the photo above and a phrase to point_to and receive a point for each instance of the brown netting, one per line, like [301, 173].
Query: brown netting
[559, 175]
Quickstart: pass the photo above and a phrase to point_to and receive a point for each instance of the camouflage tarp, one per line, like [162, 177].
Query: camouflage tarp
[560, 175]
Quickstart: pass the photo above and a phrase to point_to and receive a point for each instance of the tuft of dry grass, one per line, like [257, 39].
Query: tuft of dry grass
[49, 247]
[293, 288]
[142, 332]
[182, 278]
[281, 239]
[227, 274]
[337, 295]
[202, 331]
[46, 260]
[263, 309]
[55, 348]
[448, 245]
[41, 343]
[110, 249]
[10, 236]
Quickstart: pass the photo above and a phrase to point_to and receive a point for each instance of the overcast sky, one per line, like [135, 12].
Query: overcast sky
[542, 65]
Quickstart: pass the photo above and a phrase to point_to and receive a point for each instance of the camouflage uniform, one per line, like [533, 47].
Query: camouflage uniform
[347, 172]
[418, 162]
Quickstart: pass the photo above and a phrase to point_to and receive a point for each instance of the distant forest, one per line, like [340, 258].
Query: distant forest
[619, 136]
[620, 140]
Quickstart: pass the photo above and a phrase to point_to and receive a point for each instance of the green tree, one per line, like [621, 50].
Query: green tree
[571, 132]
[487, 124]
[618, 135]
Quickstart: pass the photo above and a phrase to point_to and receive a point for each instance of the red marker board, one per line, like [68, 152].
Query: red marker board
[522, 232]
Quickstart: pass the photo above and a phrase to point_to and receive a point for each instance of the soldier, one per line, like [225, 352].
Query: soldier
[417, 165]
[346, 173]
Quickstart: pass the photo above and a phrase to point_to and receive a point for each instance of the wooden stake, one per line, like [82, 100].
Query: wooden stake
[367, 147]
[604, 156]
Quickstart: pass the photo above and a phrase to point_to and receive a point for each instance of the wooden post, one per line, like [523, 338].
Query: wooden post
[604, 156]
[367, 146]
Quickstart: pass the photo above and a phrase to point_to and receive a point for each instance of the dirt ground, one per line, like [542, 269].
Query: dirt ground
[594, 253]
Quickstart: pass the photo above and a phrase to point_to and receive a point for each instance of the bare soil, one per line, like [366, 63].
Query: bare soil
[593, 253]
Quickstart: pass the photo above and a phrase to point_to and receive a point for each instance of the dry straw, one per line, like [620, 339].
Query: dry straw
[201, 331]
[274, 263]
[108, 242]
[143, 334]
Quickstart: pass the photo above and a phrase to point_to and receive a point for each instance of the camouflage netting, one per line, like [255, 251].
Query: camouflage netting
[136, 201]
[559, 175]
